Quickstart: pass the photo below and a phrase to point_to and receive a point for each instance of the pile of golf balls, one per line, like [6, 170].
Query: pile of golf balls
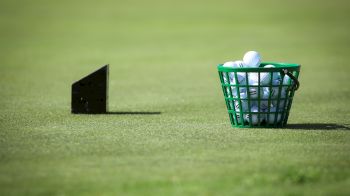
[243, 79]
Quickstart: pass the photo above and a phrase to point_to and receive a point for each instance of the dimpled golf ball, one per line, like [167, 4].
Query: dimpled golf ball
[240, 81]
[231, 64]
[275, 89]
[231, 75]
[264, 102]
[236, 106]
[240, 78]
[281, 106]
[225, 77]
[287, 80]
[254, 117]
[264, 78]
[238, 116]
[243, 104]
[231, 80]
[254, 91]
[234, 64]
[272, 115]
[269, 66]
[239, 64]
[252, 59]
[275, 75]
[256, 104]
[253, 78]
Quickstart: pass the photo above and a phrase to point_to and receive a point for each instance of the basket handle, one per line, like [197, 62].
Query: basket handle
[296, 83]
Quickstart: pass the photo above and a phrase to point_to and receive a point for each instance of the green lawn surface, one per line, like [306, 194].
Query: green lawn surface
[163, 57]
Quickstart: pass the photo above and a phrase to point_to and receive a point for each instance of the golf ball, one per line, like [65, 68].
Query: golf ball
[253, 78]
[275, 89]
[264, 102]
[282, 105]
[275, 75]
[231, 80]
[287, 80]
[272, 115]
[254, 92]
[243, 104]
[238, 116]
[269, 66]
[252, 59]
[240, 78]
[264, 78]
[240, 81]
[234, 64]
[254, 117]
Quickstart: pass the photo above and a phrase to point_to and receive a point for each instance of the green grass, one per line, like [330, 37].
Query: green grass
[163, 57]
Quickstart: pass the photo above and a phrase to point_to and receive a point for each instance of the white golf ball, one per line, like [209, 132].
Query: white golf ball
[228, 64]
[275, 75]
[275, 89]
[234, 64]
[225, 77]
[254, 92]
[243, 97]
[239, 104]
[282, 105]
[244, 101]
[256, 104]
[241, 90]
[238, 116]
[264, 102]
[240, 78]
[272, 115]
[241, 81]
[252, 59]
[239, 64]
[254, 117]
[231, 106]
[243, 94]
[287, 80]
[231, 80]
[264, 78]
[230, 91]
[269, 66]
[253, 78]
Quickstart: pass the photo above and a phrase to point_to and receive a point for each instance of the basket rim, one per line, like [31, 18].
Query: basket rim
[279, 67]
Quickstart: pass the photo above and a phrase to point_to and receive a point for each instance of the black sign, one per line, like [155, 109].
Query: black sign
[90, 94]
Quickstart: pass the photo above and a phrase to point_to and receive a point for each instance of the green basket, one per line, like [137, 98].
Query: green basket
[260, 104]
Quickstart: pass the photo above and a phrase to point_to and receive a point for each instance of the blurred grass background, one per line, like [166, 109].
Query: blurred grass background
[163, 57]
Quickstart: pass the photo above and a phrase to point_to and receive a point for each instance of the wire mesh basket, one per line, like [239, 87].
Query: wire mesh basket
[259, 97]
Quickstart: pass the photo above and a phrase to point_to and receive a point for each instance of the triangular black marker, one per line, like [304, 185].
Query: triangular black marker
[90, 94]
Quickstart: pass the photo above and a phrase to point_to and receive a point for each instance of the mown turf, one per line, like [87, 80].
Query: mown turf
[163, 57]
